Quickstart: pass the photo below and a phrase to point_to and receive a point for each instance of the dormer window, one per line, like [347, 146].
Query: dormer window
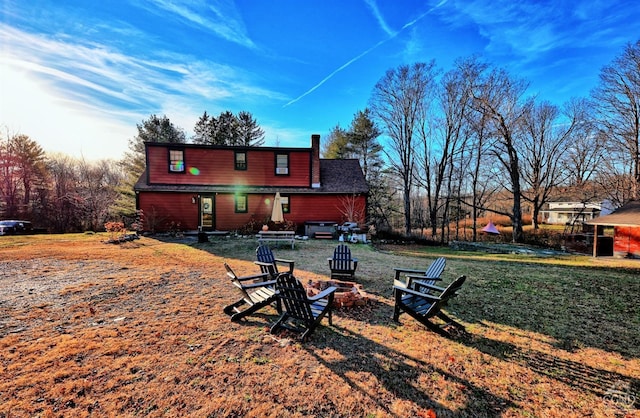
[176, 161]
[282, 164]
[241, 160]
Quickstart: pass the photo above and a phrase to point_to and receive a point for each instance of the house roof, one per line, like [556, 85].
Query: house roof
[626, 215]
[342, 176]
[336, 176]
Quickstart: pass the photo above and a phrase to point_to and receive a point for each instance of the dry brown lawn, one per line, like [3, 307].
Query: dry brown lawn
[137, 329]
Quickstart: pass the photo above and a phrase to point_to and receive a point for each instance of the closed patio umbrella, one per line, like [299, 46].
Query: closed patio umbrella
[276, 213]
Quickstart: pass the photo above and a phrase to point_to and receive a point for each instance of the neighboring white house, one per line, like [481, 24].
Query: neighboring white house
[569, 212]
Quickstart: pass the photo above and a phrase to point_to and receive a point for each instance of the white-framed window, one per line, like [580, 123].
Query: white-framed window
[176, 161]
[282, 164]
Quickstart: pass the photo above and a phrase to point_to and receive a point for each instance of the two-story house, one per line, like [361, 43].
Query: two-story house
[223, 187]
[567, 212]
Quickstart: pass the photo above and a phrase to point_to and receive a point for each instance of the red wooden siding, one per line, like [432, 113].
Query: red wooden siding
[228, 220]
[304, 208]
[160, 209]
[626, 241]
[319, 208]
[217, 167]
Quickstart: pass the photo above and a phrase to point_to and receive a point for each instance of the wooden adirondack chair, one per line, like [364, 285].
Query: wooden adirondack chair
[424, 306]
[256, 293]
[342, 264]
[269, 263]
[301, 313]
[417, 279]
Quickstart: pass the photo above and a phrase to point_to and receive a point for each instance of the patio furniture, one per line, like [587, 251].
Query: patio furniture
[277, 236]
[301, 313]
[342, 264]
[269, 263]
[423, 306]
[417, 278]
[255, 292]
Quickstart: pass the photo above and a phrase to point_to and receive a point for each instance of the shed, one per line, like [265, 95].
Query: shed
[626, 230]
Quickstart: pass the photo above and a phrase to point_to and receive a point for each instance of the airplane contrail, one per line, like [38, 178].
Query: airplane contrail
[351, 61]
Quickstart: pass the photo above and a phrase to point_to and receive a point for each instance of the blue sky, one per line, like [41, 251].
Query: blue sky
[77, 76]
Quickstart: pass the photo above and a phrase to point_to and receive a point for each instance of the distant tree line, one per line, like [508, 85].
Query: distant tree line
[55, 191]
[435, 147]
[228, 129]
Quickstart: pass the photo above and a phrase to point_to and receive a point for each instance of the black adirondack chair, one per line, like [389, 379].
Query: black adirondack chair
[269, 263]
[256, 293]
[423, 306]
[342, 264]
[301, 313]
[417, 279]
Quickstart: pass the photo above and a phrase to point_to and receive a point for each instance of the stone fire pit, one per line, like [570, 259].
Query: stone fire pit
[348, 294]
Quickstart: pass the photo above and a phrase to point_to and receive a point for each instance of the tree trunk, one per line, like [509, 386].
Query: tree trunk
[407, 211]
[514, 173]
[516, 219]
[536, 212]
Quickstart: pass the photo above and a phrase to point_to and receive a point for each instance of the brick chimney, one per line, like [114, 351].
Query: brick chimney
[315, 161]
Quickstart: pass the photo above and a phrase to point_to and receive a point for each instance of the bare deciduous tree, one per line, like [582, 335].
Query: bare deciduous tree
[62, 199]
[352, 209]
[544, 140]
[96, 188]
[484, 181]
[399, 101]
[618, 103]
[585, 150]
[443, 143]
[499, 97]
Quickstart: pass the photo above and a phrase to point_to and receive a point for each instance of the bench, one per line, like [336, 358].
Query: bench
[323, 235]
[277, 236]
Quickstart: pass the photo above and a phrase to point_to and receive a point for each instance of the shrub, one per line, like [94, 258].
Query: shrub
[174, 229]
[115, 229]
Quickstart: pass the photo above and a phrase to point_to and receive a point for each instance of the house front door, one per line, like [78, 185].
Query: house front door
[207, 213]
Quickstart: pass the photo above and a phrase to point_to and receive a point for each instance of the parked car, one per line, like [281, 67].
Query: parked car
[13, 227]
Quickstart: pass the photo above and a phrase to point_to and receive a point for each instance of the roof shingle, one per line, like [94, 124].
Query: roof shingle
[342, 176]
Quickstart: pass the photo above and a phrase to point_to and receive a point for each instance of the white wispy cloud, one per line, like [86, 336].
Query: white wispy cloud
[357, 57]
[528, 28]
[220, 17]
[379, 18]
[97, 72]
